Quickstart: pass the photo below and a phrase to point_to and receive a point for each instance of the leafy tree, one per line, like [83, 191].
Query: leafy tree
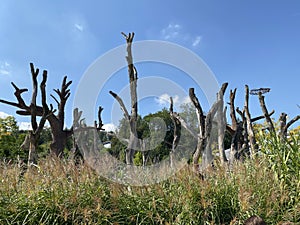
[11, 139]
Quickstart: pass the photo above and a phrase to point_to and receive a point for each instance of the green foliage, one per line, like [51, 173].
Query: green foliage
[11, 139]
[283, 157]
[8, 125]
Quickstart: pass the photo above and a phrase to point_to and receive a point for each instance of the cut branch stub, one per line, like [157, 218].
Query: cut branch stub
[129, 37]
[200, 114]
[265, 112]
[259, 90]
[284, 125]
[34, 72]
[232, 110]
[250, 130]
[100, 124]
[121, 103]
[261, 117]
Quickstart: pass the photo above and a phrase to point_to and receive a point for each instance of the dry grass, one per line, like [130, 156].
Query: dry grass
[59, 192]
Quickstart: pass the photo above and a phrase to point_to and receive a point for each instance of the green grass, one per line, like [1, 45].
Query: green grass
[59, 192]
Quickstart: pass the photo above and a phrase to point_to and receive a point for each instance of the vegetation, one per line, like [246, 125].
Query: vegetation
[60, 192]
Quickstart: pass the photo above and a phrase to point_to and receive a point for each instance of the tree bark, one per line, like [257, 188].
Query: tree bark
[284, 125]
[132, 118]
[221, 118]
[252, 141]
[176, 132]
[205, 123]
[266, 114]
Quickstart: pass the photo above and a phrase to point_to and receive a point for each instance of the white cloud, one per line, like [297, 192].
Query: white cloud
[4, 68]
[78, 27]
[196, 41]
[171, 32]
[186, 100]
[164, 100]
[175, 32]
[3, 115]
[109, 127]
[4, 72]
[24, 126]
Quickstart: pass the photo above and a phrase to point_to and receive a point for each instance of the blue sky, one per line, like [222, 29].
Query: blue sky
[243, 42]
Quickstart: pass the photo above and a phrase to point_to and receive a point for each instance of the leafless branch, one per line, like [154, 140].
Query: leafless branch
[121, 103]
[265, 112]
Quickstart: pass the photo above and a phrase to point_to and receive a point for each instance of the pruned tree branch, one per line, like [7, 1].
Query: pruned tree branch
[261, 117]
[284, 125]
[200, 114]
[266, 113]
[184, 124]
[232, 110]
[295, 119]
[121, 103]
[177, 126]
[99, 125]
[250, 130]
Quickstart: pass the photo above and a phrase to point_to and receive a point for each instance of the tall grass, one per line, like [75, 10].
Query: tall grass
[59, 192]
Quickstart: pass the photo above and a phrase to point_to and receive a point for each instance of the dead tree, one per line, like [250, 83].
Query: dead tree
[33, 110]
[176, 132]
[59, 134]
[235, 129]
[85, 139]
[132, 118]
[242, 132]
[204, 123]
[284, 125]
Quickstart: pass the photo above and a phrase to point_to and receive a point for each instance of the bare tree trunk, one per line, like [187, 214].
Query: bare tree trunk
[33, 153]
[132, 119]
[176, 132]
[284, 125]
[235, 129]
[205, 123]
[250, 131]
[232, 110]
[266, 114]
[221, 118]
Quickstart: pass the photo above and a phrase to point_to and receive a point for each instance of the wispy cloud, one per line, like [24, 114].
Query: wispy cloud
[172, 31]
[164, 100]
[196, 41]
[4, 68]
[176, 32]
[78, 27]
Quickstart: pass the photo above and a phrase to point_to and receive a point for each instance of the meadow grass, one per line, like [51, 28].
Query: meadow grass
[60, 192]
